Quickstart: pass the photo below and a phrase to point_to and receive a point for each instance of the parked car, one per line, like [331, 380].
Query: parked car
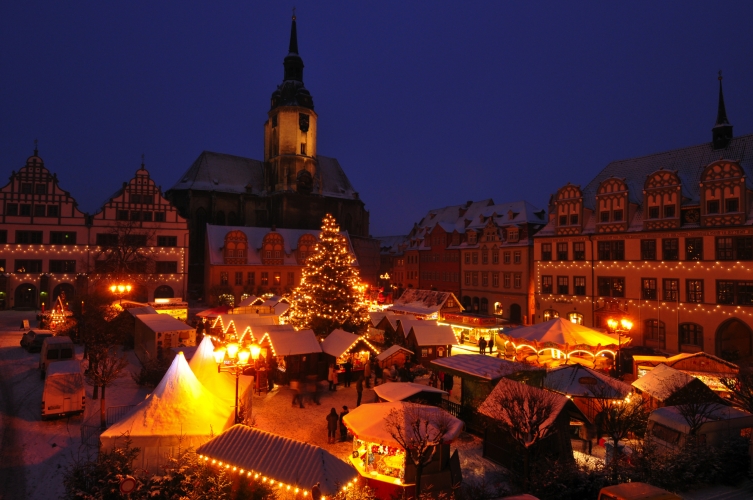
[33, 339]
[55, 349]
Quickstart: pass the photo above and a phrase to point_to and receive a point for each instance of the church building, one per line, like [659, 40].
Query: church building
[293, 187]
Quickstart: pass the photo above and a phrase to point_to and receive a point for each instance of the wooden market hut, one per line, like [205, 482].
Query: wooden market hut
[499, 445]
[404, 324]
[702, 365]
[667, 427]
[297, 352]
[396, 355]
[409, 391]
[383, 325]
[426, 304]
[430, 341]
[155, 334]
[665, 386]
[341, 346]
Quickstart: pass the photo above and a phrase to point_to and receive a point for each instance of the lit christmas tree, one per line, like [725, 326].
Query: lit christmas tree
[328, 297]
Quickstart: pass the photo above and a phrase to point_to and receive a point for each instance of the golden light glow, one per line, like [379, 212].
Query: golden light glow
[243, 356]
[232, 350]
[219, 354]
[255, 351]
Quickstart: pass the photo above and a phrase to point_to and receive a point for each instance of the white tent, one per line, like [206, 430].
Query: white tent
[222, 385]
[179, 413]
[399, 391]
[562, 331]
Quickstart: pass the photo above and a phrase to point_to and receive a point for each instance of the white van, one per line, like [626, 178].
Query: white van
[55, 349]
[64, 392]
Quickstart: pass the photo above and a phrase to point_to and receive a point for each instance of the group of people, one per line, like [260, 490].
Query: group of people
[333, 422]
[483, 344]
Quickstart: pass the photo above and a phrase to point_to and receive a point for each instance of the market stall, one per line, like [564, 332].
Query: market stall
[395, 355]
[340, 347]
[380, 458]
[409, 391]
[296, 352]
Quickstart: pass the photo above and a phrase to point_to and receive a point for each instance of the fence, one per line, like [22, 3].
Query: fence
[91, 428]
[473, 421]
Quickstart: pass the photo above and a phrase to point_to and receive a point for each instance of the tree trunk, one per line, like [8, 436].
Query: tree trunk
[526, 468]
[95, 394]
[419, 471]
[102, 410]
[615, 460]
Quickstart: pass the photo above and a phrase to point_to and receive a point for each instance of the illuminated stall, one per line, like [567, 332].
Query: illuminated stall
[470, 328]
[378, 457]
[175, 307]
[341, 346]
[296, 352]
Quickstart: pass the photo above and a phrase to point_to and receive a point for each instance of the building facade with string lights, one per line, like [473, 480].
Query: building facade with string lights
[664, 240]
[49, 248]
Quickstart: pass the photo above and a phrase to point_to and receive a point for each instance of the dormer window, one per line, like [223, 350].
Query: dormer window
[513, 235]
[604, 216]
[617, 215]
[732, 205]
[574, 220]
[235, 248]
[712, 207]
[653, 212]
[563, 220]
[669, 211]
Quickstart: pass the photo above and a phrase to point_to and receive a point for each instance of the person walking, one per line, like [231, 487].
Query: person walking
[367, 374]
[343, 429]
[348, 367]
[332, 420]
[378, 374]
[316, 492]
[312, 387]
[359, 391]
[490, 345]
[331, 377]
[482, 345]
[448, 383]
[295, 385]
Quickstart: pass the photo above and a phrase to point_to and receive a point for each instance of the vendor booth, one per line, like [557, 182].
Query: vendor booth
[296, 352]
[378, 457]
[293, 467]
[430, 341]
[154, 333]
[470, 328]
[341, 346]
[409, 391]
[58, 317]
[395, 355]
[701, 365]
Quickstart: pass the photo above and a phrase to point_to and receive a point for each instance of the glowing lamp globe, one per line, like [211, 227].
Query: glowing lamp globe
[255, 351]
[243, 356]
[612, 324]
[232, 349]
[219, 355]
[627, 324]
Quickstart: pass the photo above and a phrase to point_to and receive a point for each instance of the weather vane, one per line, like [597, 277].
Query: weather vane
[293, 13]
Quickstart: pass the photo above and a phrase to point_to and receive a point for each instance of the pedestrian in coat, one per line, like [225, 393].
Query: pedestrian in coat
[343, 429]
[331, 377]
[316, 492]
[490, 345]
[367, 375]
[348, 366]
[482, 345]
[359, 390]
[448, 383]
[378, 374]
[332, 420]
[295, 385]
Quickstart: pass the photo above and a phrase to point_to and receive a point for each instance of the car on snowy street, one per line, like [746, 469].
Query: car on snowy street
[33, 339]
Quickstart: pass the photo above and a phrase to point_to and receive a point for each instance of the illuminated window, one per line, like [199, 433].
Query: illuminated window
[648, 288]
[576, 318]
[550, 314]
[694, 290]
[563, 286]
[693, 248]
[579, 250]
[579, 285]
[264, 278]
[278, 278]
[223, 278]
[547, 284]
[562, 251]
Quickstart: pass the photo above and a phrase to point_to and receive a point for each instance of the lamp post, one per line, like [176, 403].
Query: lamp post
[620, 327]
[232, 358]
[120, 290]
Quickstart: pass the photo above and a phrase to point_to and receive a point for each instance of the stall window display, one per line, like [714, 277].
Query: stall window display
[380, 462]
[357, 359]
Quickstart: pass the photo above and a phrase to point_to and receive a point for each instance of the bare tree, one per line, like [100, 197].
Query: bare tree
[618, 418]
[123, 254]
[526, 413]
[694, 402]
[419, 430]
[108, 368]
[740, 389]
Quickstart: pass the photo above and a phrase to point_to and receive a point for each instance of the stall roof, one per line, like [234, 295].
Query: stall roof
[136, 311]
[368, 421]
[481, 367]
[562, 331]
[287, 342]
[250, 301]
[406, 321]
[578, 380]
[399, 391]
[163, 323]
[66, 367]
[424, 302]
[505, 386]
[392, 350]
[434, 334]
[672, 418]
[340, 341]
[662, 382]
[279, 458]
[213, 312]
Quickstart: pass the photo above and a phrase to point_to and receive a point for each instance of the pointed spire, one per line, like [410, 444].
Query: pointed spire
[293, 49]
[142, 161]
[721, 134]
[36, 148]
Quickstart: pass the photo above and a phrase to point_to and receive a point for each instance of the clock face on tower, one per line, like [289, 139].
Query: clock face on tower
[303, 122]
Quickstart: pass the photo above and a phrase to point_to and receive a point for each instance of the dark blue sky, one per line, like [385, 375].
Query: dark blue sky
[425, 104]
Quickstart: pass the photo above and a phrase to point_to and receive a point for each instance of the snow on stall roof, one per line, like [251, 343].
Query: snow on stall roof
[368, 424]
[250, 301]
[286, 343]
[662, 382]
[222, 384]
[568, 380]
[245, 324]
[279, 458]
[491, 404]
[421, 301]
[671, 417]
[398, 391]
[136, 311]
[376, 316]
[434, 334]
[163, 323]
[338, 342]
[485, 367]
[392, 350]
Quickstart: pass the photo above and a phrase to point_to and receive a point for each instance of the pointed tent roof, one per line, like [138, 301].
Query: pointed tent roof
[562, 331]
[279, 458]
[180, 410]
[222, 385]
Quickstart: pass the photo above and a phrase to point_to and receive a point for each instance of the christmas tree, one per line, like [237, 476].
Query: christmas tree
[328, 296]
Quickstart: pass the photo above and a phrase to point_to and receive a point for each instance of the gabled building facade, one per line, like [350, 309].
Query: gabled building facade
[665, 240]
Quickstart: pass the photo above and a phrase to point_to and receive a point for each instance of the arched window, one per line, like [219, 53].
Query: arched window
[272, 248]
[576, 318]
[498, 309]
[306, 246]
[466, 303]
[550, 314]
[475, 304]
[691, 334]
[164, 292]
[235, 247]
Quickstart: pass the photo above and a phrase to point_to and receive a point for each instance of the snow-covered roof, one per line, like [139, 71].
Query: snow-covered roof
[376, 316]
[234, 174]
[339, 341]
[245, 324]
[179, 411]
[434, 334]
[563, 331]
[578, 380]
[287, 343]
[255, 238]
[416, 301]
[391, 244]
[163, 323]
[392, 350]
[65, 367]
[368, 424]
[135, 311]
[404, 322]
[222, 385]
[293, 463]
[484, 367]
[250, 301]
[662, 382]
[399, 391]
[512, 213]
[490, 406]
[671, 417]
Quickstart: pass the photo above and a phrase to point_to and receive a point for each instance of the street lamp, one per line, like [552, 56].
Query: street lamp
[233, 358]
[620, 327]
[120, 290]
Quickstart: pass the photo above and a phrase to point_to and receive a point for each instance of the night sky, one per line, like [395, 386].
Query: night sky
[425, 104]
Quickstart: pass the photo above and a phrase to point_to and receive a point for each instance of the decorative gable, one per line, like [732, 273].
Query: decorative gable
[612, 206]
[662, 193]
[568, 205]
[723, 194]
[235, 248]
[272, 251]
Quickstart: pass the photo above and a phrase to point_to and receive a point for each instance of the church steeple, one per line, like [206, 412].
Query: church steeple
[292, 91]
[721, 134]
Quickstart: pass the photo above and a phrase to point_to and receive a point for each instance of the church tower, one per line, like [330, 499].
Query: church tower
[721, 134]
[290, 130]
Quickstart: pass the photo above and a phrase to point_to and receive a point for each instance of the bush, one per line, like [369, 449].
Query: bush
[151, 373]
